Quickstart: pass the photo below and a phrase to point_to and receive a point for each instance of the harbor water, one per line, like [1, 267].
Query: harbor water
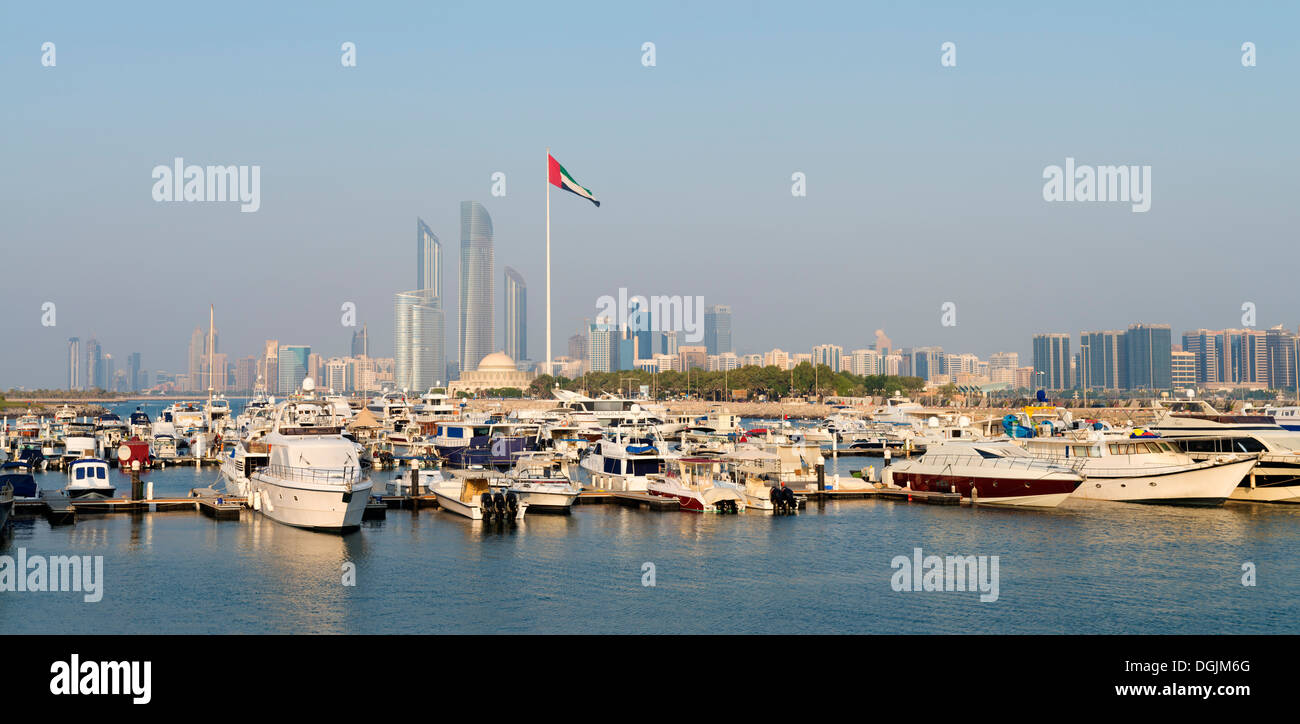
[1086, 567]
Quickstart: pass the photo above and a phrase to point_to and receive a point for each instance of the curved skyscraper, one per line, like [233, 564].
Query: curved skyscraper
[428, 261]
[419, 328]
[516, 315]
[477, 315]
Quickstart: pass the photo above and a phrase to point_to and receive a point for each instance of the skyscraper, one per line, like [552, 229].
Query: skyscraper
[74, 363]
[1103, 360]
[94, 369]
[601, 341]
[133, 380]
[361, 343]
[293, 361]
[1148, 348]
[717, 329]
[477, 315]
[516, 302]
[428, 262]
[419, 334]
[1052, 361]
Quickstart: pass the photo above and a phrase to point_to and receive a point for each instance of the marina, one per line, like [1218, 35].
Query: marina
[417, 515]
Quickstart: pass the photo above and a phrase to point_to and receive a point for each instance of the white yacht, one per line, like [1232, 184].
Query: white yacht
[1143, 469]
[993, 473]
[621, 462]
[313, 477]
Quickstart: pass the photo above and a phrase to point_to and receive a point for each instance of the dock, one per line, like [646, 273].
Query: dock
[645, 501]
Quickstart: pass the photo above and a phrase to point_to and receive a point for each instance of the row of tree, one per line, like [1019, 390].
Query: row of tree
[771, 381]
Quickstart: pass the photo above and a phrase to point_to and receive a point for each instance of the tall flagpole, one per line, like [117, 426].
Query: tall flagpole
[549, 369]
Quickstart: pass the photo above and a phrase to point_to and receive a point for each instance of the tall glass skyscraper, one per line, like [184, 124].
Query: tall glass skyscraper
[74, 363]
[477, 314]
[361, 343]
[1052, 362]
[420, 331]
[293, 360]
[717, 329]
[428, 261]
[516, 300]
[1149, 360]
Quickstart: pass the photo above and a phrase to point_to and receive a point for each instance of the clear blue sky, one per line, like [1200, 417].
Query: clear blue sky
[924, 182]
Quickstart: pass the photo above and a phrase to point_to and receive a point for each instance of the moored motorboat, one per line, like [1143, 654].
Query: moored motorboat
[88, 478]
[994, 473]
[539, 479]
[313, 477]
[470, 494]
[699, 484]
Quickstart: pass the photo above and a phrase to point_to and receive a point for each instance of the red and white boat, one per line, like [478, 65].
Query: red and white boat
[132, 451]
[996, 473]
[702, 485]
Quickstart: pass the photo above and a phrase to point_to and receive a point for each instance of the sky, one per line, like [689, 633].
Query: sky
[924, 183]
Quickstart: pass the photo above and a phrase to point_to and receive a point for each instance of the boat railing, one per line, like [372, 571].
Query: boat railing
[346, 477]
[1003, 463]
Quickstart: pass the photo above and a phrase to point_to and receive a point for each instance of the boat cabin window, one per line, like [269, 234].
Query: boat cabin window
[986, 454]
[1082, 451]
[611, 465]
[81, 473]
[643, 467]
[101, 473]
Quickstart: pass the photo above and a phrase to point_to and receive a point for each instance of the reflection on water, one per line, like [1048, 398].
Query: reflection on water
[1089, 567]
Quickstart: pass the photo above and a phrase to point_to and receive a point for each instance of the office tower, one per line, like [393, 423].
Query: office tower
[693, 357]
[825, 354]
[641, 329]
[336, 375]
[928, 362]
[1243, 357]
[94, 367]
[361, 343]
[776, 358]
[107, 371]
[516, 304]
[428, 263]
[293, 360]
[477, 316]
[601, 338]
[1182, 370]
[717, 329]
[578, 346]
[1148, 348]
[246, 374]
[134, 383]
[670, 340]
[1052, 361]
[1103, 360]
[1281, 346]
[270, 372]
[197, 350]
[74, 364]
[419, 336]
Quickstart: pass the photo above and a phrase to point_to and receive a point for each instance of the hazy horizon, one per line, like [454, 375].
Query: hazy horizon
[924, 182]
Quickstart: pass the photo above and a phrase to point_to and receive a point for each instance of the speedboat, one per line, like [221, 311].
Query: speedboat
[313, 478]
[622, 463]
[539, 480]
[699, 484]
[996, 473]
[470, 494]
[88, 478]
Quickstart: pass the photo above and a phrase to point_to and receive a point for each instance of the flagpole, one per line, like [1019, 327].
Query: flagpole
[549, 369]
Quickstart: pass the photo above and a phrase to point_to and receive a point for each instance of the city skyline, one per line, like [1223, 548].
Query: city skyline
[941, 203]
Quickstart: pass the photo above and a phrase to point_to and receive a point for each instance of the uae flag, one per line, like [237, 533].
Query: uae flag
[561, 178]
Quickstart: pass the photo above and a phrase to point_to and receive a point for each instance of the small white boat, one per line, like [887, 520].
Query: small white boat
[471, 495]
[88, 478]
[700, 485]
[538, 479]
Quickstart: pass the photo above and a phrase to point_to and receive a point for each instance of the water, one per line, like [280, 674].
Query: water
[1082, 568]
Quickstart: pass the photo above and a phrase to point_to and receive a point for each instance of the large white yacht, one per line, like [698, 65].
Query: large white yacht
[993, 472]
[1143, 469]
[313, 477]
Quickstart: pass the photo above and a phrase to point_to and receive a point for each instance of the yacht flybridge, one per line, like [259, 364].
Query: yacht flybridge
[313, 477]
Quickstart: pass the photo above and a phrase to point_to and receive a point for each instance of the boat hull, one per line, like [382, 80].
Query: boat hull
[1206, 486]
[1046, 492]
[326, 509]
